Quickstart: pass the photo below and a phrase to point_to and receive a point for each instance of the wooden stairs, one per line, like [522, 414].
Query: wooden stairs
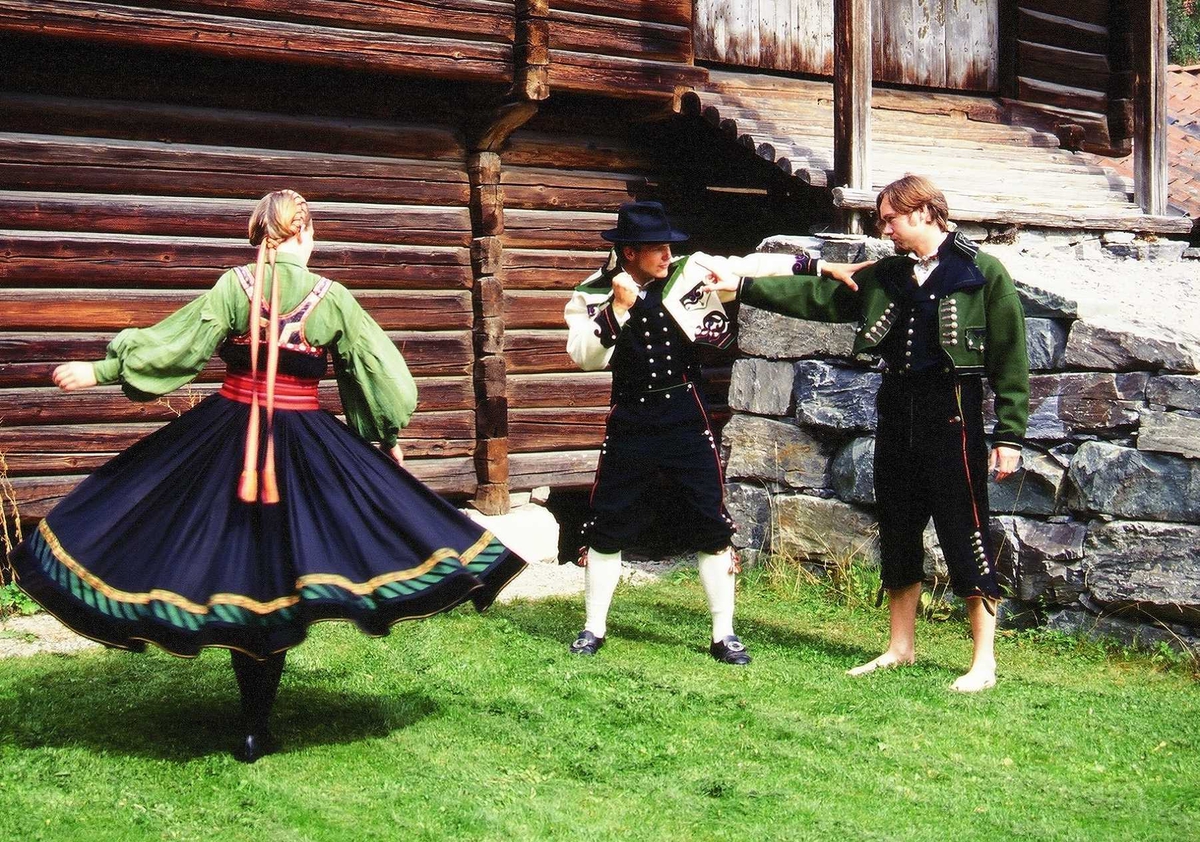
[990, 170]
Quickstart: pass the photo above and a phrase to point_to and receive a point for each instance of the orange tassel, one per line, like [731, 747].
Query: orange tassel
[270, 485]
[248, 486]
[248, 483]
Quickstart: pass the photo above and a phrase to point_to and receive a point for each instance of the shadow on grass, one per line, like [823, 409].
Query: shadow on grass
[178, 711]
[683, 623]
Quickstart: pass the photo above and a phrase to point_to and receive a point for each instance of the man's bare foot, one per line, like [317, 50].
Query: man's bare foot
[885, 661]
[976, 680]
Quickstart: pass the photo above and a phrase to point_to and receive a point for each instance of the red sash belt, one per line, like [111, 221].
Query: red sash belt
[296, 393]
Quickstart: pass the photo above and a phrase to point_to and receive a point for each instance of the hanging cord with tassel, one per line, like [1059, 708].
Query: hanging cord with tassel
[248, 482]
[252, 486]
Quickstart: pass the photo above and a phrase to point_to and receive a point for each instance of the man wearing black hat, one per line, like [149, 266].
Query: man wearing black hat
[642, 315]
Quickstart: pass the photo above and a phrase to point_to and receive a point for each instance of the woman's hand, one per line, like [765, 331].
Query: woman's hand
[74, 375]
[396, 453]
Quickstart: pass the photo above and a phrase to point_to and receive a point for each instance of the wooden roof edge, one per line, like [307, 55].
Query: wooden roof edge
[844, 197]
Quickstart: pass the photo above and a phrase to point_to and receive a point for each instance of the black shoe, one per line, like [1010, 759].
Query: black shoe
[254, 746]
[730, 650]
[586, 644]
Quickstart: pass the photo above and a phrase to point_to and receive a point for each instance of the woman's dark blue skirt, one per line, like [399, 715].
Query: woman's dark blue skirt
[156, 547]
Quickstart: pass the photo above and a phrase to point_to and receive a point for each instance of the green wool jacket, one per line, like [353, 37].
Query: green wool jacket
[981, 323]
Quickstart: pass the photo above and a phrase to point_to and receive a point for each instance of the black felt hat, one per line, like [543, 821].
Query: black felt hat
[643, 222]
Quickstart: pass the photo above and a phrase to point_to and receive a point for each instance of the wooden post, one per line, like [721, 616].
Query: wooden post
[489, 372]
[852, 99]
[487, 136]
[1150, 108]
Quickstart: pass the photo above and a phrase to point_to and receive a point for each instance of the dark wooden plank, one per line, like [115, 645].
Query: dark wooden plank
[1063, 67]
[24, 407]
[574, 150]
[564, 469]
[673, 12]
[109, 165]
[549, 268]
[620, 77]
[1056, 30]
[1095, 12]
[573, 389]
[977, 209]
[49, 309]
[604, 34]
[241, 38]
[53, 258]
[533, 351]
[488, 20]
[71, 448]
[522, 309]
[532, 430]
[166, 216]
[1061, 96]
[541, 188]
[545, 229]
[226, 127]
[28, 359]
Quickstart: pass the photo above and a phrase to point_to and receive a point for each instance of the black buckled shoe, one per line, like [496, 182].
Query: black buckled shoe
[730, 650]
[586, 644]
[255, 745]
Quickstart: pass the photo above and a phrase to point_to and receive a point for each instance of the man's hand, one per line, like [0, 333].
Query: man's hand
[625, 293]
[396, 453]
[844, 272]
[1004, 461]
[74, 375]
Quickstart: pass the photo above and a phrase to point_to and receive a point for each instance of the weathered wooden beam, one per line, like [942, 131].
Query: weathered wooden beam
[258, 130]
[566, 469]
[975, 209]
[202, 216]
[490, 369]
[271, 40]
[27, 359]
[58, 448]
[852, 97]
[48, 405]
[56, 258]
[617, 36]
[65, 309]
[674, 12]
[1150, 108]
[617, 76]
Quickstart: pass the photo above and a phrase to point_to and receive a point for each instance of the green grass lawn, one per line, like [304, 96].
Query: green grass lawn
[474, 726]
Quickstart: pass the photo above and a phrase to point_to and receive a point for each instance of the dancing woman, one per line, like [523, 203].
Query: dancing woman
[256, 513]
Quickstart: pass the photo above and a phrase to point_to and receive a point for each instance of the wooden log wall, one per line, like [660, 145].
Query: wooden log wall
[1073, 64]
[118, 210]
[450, 39]
[632, 48]
[564, 175]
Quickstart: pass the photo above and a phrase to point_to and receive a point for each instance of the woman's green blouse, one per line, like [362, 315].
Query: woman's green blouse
[378, 393]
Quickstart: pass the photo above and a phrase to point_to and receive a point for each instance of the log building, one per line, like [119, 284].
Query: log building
[461, 156]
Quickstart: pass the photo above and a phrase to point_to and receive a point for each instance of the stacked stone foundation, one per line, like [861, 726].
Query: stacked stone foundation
[1098, 531]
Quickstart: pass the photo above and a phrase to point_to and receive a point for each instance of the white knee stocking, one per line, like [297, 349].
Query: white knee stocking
[600, 579]
[716, 574]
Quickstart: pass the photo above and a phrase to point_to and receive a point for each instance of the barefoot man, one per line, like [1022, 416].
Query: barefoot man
[943, 316]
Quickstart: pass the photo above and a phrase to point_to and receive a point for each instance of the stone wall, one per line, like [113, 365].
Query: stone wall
[1100, 528]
